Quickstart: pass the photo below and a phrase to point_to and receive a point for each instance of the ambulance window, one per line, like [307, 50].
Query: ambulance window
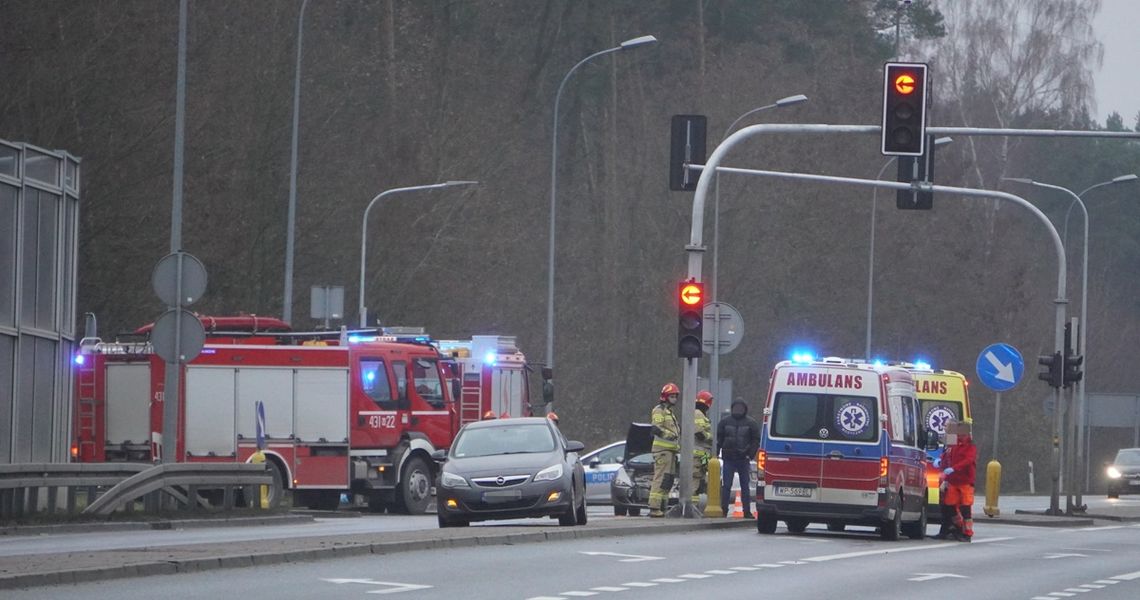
[400, 370]
[374, 380]
[796, 415]
[910, 423]
[428, 385]
[895, 406]
[825, 417]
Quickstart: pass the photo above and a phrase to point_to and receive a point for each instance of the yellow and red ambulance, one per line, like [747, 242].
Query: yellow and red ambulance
[943, 396]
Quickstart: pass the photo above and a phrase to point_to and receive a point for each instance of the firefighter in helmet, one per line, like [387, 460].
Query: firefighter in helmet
[666, 446]
[703, 449]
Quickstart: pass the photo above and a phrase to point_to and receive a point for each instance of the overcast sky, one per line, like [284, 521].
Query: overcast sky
[1118, 83]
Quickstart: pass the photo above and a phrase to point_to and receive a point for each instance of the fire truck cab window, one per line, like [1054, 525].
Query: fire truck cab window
[429, 387]
[374, 380]
[400, 370]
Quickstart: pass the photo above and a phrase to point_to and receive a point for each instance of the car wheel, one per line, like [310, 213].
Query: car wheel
[765, 524]
[635, 512]
[569, 517]
[916, 531]
[619, 511]
[796, 525]
[580, 516]
[889, 531]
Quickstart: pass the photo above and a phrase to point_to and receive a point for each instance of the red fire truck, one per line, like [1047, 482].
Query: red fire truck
[345, 412]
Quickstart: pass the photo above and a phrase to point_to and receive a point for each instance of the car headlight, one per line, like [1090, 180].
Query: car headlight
[453, 481]
[621, 479]
[1113, 472]
[549, 473]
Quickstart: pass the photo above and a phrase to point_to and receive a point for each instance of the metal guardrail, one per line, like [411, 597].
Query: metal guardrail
[168, 478]
[20, 484]
[106, 487]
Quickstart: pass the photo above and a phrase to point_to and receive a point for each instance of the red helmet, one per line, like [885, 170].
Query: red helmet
[705, 397]
[487, 416]
[669, 390]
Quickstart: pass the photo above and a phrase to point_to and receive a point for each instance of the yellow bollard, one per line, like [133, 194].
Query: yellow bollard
[259, 458]
[712, 506]
[993, 487]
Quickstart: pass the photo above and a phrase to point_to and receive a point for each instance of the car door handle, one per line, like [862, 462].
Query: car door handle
[835, 454]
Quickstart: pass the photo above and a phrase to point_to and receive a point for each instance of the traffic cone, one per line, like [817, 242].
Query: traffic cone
[737, 508]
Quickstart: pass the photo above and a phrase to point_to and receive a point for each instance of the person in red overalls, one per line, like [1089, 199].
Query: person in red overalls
[959, 470]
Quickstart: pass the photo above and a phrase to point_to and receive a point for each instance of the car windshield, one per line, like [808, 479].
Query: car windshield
[503, 439]
[1128, 458]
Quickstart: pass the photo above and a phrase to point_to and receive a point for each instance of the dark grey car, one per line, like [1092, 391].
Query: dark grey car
[1124, 473]
[508, 469]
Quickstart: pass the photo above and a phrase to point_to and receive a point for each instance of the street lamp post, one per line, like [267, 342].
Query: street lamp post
[287, 304]
[626, 45]
[1078, 199]
[871, 261]
[714, 356]
[364, 233]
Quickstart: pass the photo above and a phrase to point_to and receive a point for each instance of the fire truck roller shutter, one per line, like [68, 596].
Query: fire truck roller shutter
[128, 402]
[413, 491]
[209, 405]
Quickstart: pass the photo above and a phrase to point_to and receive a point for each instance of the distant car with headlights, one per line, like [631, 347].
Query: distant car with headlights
[1124, 473]
[509, 469]
[601, 466]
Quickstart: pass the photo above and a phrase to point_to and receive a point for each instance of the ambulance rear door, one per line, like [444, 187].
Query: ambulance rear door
[793, 467]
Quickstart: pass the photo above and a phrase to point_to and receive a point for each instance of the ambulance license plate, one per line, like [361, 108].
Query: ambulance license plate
[794, 491]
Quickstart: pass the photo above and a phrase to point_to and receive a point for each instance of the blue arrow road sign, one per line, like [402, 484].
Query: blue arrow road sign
[260, 424]
[1000, 367]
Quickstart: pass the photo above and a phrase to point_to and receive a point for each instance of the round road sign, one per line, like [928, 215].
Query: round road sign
[188, 345]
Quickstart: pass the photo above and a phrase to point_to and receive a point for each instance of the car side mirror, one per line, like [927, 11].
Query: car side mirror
[575, 446]
[595, 463]
[439, 456]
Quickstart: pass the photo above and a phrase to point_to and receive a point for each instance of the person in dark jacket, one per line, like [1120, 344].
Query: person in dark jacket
[737, 439]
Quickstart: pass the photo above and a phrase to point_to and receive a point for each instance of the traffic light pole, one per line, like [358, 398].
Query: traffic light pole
[694, 249]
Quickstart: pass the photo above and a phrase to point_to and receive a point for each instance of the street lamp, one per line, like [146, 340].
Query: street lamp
[626, 45]
[871, 261]
[714, 356]
[287, 305]
[1078, 199]
[364, 233]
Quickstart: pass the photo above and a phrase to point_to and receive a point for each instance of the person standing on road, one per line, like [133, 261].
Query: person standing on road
[737, 440]
[960, 471]
[666, 446]
[702, 450]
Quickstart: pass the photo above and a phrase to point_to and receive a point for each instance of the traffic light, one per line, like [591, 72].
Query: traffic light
[687, 145]
[1055, 372]
[904, 109]
[1073, 372]
[690, 326]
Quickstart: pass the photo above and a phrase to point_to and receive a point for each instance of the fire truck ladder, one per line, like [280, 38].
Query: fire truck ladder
[85, 413]
[470, 400]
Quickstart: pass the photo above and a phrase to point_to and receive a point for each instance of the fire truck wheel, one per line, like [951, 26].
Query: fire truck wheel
[415, 486]
[890, 530]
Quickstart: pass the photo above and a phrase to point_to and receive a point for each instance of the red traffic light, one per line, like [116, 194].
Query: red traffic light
[692, 294]
[905, 84]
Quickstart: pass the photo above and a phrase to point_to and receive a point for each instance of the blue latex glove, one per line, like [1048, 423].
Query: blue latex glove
[948, 471]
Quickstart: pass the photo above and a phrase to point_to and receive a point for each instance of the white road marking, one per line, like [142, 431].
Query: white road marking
[1061, 594]
[1107, 581]
[1092, 586]
[695, 576]
[1127, 576]
[668, 580]
[1105, 528]
[1064, 555]
[942, 546]
[578, 594]
[1078, 590]
[546, 598]
[628, 557]
[609, 588]
[1042, 598]
[932, 576]
[745, 569]
[639, 584]
[768, 565]
[720, 572]
[792, 562]
[393, 587]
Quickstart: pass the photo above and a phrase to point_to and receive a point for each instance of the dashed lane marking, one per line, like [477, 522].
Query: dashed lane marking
[720, 572]
[1092, 586]
[1078, 590]
[1061, 594]
[746, 568]
[609, 588]
[1106, 581]
[668, 580]
[639, 584]
[941, 546]
[578, 594]
[768, 565]
[695, 576]
[1127, 576]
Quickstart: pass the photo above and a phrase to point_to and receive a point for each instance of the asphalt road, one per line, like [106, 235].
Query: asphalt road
[1004, 562]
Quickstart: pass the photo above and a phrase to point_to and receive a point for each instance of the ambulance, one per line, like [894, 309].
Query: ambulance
[842, 444]
[943, 396]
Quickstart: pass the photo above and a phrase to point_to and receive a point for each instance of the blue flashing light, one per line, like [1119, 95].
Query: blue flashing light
[370, 376]
[878, 363]
[923, 365]
[354, 339]
[80, 359]
[802, 357]
[489, 358]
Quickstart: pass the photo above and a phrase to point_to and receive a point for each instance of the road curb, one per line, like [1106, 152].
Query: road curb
[164, 524]
[195, 565]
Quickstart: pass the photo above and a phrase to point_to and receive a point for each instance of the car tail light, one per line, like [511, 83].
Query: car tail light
[884, 466]
[761, 458]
